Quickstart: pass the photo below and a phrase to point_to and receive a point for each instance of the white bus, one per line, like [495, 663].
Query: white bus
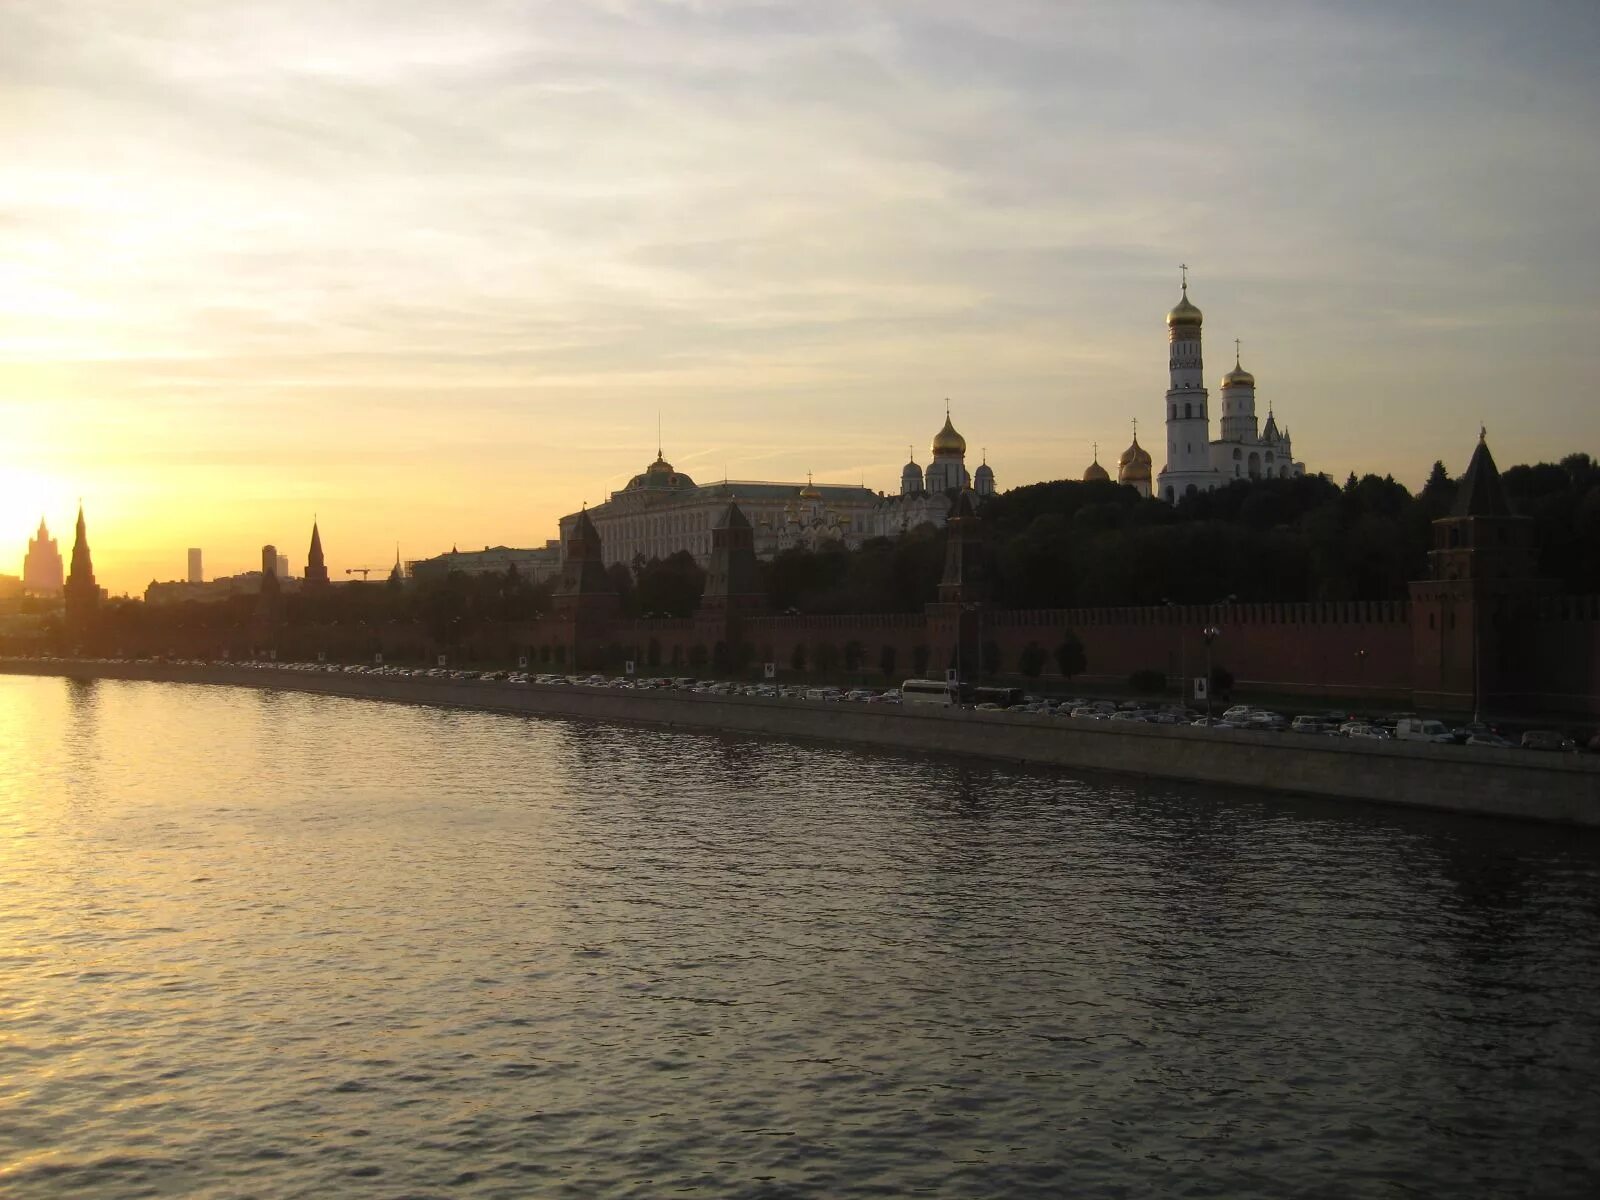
[928, 691]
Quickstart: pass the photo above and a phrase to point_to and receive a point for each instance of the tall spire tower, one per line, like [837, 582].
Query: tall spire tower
[1188, 468]
[81, 592]
[316, 568]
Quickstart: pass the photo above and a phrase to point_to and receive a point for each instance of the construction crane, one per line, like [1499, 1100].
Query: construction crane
[362, 571]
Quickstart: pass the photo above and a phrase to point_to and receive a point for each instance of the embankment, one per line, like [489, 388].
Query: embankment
[1563, 788]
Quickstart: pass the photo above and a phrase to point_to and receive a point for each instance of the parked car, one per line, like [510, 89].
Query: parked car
[1418, 729]
[1373, 733]
[1308, 724]
[1490, 739]
[1547, 739]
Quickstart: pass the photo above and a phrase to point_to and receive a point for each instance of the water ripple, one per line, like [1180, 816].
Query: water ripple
[279, 946]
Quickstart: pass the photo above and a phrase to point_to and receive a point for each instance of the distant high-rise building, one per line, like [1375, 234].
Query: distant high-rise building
[41, 566]
[269, 571]
[82, 593]
[283, 566]
[316, 568]
[196, 575]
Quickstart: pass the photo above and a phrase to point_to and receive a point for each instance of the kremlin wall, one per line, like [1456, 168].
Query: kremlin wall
[1481, 632]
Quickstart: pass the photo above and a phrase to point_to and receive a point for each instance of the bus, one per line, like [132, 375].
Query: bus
[929, 691]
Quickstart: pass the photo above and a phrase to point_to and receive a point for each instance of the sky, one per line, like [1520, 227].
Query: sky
[433, 272]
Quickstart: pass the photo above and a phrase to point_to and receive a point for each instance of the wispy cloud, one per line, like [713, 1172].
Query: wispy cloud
[496, 229]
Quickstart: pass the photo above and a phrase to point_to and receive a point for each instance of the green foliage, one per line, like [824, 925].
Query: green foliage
[826, 656]
[698, 656]
[669, 587]
[1032, 660]
[919, 660]
[886, 661]
[797, 659]
[1070, 658]
[854, 653]
[1148, 681]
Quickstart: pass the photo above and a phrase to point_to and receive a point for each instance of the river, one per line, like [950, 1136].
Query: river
[271, 944]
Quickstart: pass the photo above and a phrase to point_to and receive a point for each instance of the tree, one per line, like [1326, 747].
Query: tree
[827, 656]
[1032, 659]
[886, 658]
[854, 653]
[1148, 681]
[671, 586]
[797, 657]
[698, 656]
[1070, 658]
[919, 660]
[991, 657]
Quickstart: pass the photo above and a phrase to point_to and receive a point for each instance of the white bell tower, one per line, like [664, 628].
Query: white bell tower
[1188, 466]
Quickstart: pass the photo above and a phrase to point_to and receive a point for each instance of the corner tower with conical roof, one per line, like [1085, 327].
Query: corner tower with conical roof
[1188, 468]
[732, 582]
[81, 592]
[316, 568]
[1482, 579]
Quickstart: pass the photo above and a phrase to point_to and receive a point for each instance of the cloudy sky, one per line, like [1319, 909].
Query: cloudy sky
[433, 270]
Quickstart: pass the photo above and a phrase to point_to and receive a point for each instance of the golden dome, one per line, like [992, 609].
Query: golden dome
[1134, 465]
[1238, 377]
[1184, 314]
[1096, 473]
[947, 440]
[810, 491]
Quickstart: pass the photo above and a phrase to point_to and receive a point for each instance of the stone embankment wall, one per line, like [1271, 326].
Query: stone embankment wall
[1503, 783]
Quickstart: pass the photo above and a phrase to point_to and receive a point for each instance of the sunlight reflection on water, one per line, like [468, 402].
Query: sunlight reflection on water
[274, 944]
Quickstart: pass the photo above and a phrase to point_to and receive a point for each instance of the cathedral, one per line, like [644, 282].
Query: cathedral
[1195, 461]
[662, 510]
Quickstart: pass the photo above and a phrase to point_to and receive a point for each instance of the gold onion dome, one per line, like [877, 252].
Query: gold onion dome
[947, 440]
[810, 491]
[1096, 473]
[1184, 314]
[1238, 377]
[1134, 463]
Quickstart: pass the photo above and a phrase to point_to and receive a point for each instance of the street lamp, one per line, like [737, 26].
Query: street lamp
[1210, 633]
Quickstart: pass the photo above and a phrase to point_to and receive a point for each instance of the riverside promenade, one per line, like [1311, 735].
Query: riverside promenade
[1517, 784]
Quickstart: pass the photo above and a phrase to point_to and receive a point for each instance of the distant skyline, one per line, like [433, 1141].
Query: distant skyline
[431, 271]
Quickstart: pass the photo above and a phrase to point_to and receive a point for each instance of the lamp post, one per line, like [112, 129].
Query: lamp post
[1361, 671]
[1210, 633]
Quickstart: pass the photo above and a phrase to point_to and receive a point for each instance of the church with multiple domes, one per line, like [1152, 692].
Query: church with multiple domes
[662, 510]
[1196, 462]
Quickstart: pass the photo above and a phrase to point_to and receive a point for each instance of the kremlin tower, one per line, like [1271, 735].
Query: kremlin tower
[81, 592]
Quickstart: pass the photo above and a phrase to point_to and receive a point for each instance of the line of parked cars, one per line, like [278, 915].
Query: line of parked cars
[1399, 726]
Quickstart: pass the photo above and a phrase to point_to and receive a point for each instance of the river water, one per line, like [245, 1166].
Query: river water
[271, 945]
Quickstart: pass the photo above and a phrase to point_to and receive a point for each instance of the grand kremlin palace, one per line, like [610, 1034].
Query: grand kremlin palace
[662, 510]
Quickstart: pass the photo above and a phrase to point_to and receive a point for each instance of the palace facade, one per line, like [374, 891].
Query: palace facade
[662, 510]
